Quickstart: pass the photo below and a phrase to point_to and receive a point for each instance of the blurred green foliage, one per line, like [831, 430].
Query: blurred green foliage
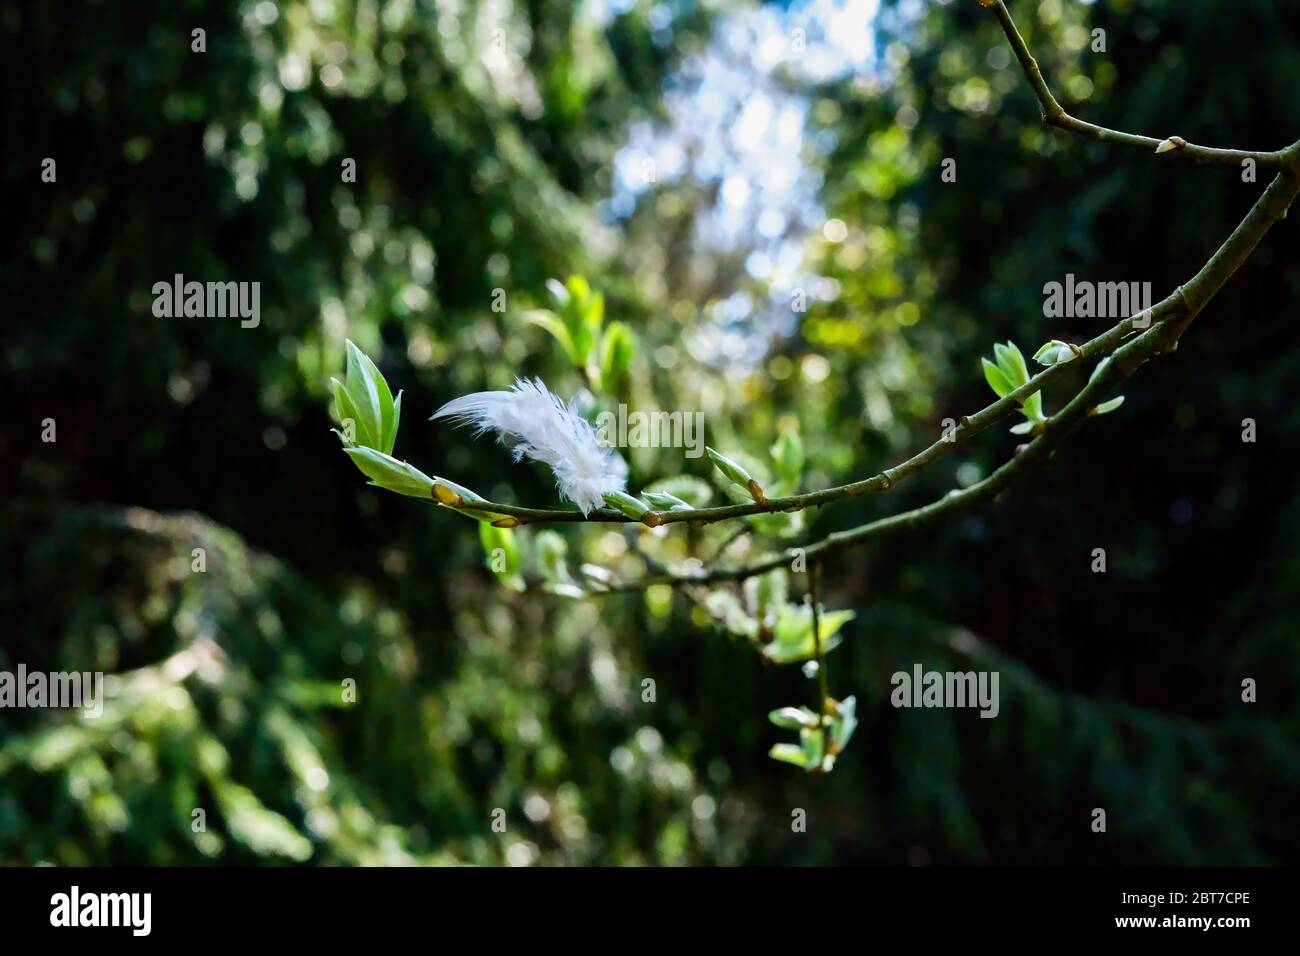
[1119, 690]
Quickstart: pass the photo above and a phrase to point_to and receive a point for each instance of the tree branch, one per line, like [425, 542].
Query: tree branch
[967, 426]
[1175, 313]
[1163, 325]
[1055, 115]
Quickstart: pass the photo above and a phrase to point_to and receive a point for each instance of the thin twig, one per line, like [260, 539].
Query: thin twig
[1055, 115]
[731, 539]
[814, 596]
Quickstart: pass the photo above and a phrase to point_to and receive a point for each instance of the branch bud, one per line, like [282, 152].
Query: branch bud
[729, 468]
[665, 502]
[1055, 352]
[625, 503]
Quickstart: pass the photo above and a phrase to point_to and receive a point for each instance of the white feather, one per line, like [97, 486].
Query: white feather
[537, 425]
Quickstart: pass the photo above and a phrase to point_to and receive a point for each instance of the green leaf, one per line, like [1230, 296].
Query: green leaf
[549, 321]
[1032, 407]
[996, 378]
[501, 555]
[347, 412]
[792, 637]
[813, 743]
[578, 288]
[370, 397]
[387, 472]
[729, 468]
[1012, 363]
[843, 724]
[793, 718]
[582, 316]
[551, 550]
[389, 411]
[1002, 358]
[390, 439]
[1109, 406]
[788, 458]
[593, 313]
[789, 753]
[691, 490]
[617, 347]
[628, 505]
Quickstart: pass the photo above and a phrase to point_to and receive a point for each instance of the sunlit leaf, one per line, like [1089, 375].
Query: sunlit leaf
[387, 472]
[617, 348]
[501, 554]
[843, 724]
[793, 718]
[789, 753]
[996, 378]
[813, 743]
[548, 320]
[1110, 406]
[792, 636]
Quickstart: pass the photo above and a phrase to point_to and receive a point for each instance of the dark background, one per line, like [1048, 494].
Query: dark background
[1119, 690]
